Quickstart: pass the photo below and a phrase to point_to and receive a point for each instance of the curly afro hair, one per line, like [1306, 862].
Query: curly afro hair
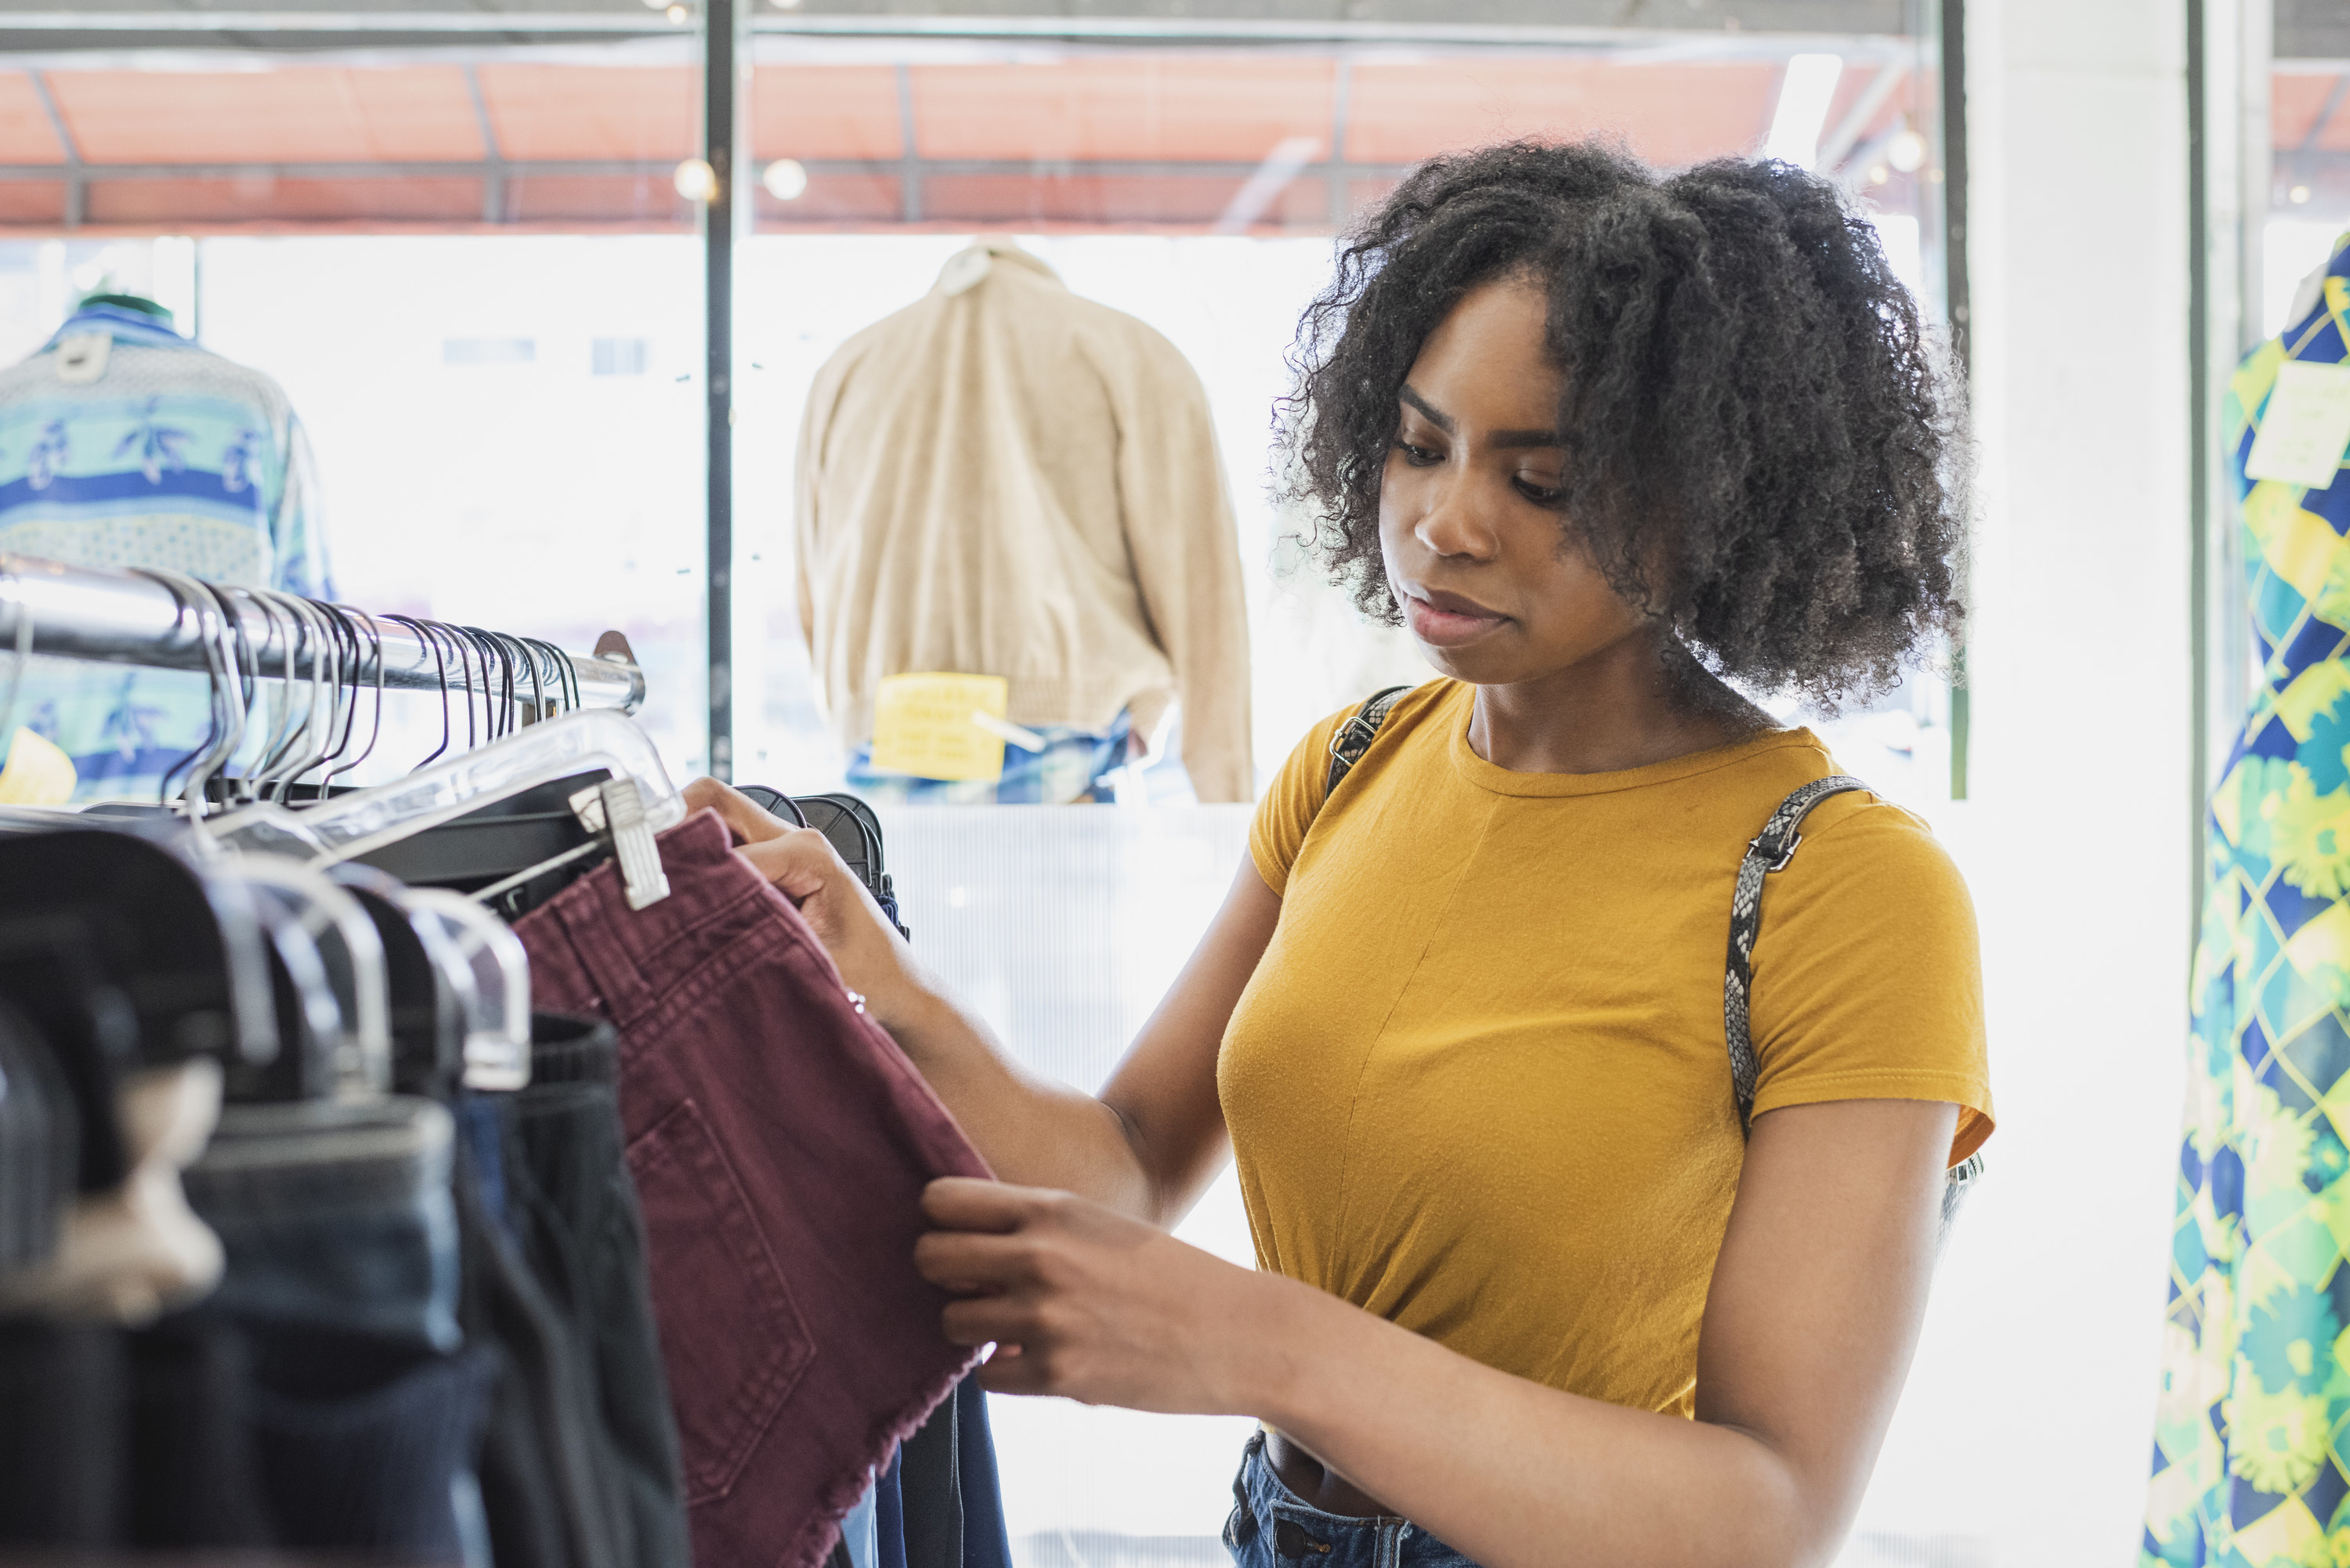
[1762, 445]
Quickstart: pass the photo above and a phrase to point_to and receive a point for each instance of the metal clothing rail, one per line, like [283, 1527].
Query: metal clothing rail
[123, 618]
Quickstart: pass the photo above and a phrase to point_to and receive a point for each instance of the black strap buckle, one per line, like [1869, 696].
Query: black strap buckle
[1777, 854]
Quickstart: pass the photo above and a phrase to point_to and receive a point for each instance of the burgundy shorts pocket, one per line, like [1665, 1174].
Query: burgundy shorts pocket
[733, 1340]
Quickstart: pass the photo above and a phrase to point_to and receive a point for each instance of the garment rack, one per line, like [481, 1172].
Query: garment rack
[124, 618]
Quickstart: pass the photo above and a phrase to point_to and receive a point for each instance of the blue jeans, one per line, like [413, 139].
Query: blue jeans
[1074, 765]
[335, 1217]
[1273, 1527]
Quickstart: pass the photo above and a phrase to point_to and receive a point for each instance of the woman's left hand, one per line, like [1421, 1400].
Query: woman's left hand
[1083, 1301]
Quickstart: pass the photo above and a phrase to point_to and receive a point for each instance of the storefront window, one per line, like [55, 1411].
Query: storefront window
[474, 273]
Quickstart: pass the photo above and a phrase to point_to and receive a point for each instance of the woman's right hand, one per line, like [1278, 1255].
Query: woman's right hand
[873, 959]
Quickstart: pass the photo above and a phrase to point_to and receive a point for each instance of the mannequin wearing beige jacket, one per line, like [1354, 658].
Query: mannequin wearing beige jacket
[1005, 479]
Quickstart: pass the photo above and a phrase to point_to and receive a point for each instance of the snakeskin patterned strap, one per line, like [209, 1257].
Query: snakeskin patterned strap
[1769, 851]
[1355, 736]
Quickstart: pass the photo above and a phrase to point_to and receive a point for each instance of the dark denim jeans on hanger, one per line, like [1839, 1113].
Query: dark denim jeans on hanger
[335, 1217]
[571, 1207]
[539, 1475]
[62, 1449]
[340, 1229]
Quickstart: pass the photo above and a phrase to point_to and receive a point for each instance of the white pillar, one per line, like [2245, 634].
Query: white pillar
[2028, 1421]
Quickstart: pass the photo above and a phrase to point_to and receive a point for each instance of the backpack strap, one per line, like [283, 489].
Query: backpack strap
[1769, 851]
[1355, 736]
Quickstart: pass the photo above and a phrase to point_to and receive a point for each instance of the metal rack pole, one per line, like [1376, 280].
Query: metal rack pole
[122, 617]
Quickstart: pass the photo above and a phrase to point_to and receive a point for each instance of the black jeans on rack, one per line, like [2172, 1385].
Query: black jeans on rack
[61, 1449]
[538, 1479]
[365, 1446]
[571, 1206]
[192, 1480]
[581, 1463]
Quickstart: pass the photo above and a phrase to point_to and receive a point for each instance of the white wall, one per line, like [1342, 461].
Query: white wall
[2029, 1420]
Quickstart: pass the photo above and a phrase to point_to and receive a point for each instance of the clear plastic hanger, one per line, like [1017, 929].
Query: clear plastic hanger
[353, 954]
[497, 1022]
[575, 743]
[454, 1001]
[320, 1025]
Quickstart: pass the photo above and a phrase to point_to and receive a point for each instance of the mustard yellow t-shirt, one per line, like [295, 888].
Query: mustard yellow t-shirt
[1479, 1084]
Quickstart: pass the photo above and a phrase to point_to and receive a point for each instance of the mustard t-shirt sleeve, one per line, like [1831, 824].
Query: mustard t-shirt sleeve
[1278, 829]
[1868, 976]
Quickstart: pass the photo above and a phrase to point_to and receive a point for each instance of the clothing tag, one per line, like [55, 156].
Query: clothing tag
[39, 773]
[82, 358]
[964, 270]
[632, 842]
[616, 809]
[922, 725]
[2305, 427]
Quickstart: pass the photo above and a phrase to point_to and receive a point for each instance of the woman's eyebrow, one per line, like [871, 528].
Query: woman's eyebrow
[1434, 415]
[1445, 422]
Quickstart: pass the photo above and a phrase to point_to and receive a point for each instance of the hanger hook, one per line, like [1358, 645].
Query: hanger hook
[439, 672]
[375, 729]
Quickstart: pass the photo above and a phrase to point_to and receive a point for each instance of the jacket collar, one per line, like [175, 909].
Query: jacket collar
[1000, 252]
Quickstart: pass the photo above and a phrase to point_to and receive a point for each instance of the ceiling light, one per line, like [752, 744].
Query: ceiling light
[2299, 196]
[678, 14]
[1804, 96]
[696, 181]
[1878, 173]
[787, 4]
[787, 179]
[1906, 151]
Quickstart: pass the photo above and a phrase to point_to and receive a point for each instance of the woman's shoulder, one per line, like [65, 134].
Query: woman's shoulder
[1417, 713]
[1862, 838]
[1287, 811]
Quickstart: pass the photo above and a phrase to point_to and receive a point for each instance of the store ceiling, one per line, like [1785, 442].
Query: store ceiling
[200, 114]
[243, 23]
[1023, 135]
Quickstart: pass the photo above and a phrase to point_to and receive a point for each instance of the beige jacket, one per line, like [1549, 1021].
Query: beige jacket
[1005, 479]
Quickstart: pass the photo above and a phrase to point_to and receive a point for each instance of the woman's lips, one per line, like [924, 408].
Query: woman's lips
[1449, 627]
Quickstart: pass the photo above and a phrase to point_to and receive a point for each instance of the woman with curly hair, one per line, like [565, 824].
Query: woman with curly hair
[1533, 1287]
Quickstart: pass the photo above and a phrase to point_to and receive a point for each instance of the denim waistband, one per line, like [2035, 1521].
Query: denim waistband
[315, 1155]
[1272, 1527]
[566, 1050]
[335, 1217]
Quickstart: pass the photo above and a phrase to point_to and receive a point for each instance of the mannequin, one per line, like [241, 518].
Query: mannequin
[2255, 1379]
[124, 444]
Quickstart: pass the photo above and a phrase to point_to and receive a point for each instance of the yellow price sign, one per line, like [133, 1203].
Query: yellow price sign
[929, 725]
[39, 773]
